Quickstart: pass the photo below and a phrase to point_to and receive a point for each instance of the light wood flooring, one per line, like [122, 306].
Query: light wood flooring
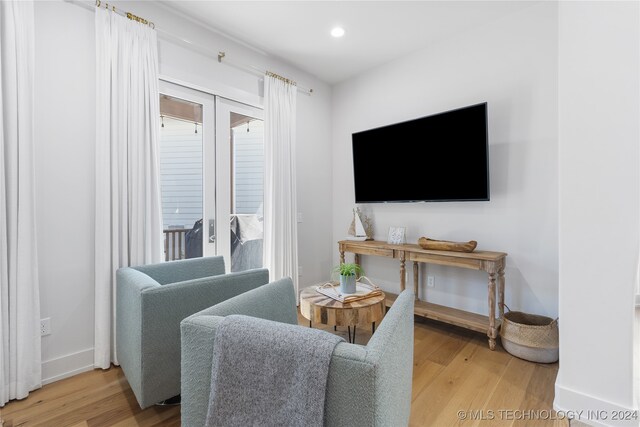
[453, 371]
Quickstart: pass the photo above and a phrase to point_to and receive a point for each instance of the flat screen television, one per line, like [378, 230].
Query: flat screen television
[438, 158]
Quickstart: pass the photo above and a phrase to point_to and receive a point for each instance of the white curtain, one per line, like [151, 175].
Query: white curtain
[280, 209]
[20, 365]
[128, 229]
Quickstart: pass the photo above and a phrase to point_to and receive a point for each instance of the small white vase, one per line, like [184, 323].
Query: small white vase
[348, 284]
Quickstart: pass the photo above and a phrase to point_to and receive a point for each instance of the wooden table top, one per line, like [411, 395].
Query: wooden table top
[312, 296]
[476, 254]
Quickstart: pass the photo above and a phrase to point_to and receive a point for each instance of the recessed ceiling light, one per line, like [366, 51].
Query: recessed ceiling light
[337, 32]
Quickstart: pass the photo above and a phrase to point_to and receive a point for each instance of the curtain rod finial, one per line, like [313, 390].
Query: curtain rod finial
[220, 56]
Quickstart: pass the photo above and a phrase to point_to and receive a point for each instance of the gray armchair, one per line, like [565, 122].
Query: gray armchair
[366, 386]
[151, 302]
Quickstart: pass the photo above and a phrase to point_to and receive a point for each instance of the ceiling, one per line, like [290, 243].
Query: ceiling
[376, 31]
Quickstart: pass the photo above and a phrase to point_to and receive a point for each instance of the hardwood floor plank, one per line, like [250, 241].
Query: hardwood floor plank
[508, 393]
[431, 340]
[423, 375]
[82, 384]
[539, 395]
[426, 405]
[49, 402]
[173, 421]
[153, 416]
[466, 382]
[106, 406]
[445, 353]
[432, 354]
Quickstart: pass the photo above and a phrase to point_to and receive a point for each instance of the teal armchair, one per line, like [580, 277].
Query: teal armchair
[151, 302]
[367, 385]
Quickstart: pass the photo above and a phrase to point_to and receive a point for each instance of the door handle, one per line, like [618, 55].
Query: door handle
[212, 231]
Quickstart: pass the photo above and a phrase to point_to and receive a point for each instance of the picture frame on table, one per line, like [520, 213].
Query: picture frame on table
[397, 235]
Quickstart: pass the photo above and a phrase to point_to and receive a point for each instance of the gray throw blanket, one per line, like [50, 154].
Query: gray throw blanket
[268, 373]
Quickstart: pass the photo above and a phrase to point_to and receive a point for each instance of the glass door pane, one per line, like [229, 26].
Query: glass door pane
[181, 177]
[247, 192]
[186, 121]
[240, 154]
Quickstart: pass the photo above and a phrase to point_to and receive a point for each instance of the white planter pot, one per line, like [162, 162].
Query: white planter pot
[348, 284]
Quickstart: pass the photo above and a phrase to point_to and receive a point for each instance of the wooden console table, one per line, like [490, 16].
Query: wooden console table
[491, 262]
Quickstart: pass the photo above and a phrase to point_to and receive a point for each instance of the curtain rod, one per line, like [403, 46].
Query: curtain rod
[189, 44]
[258, 71]
[125, 14]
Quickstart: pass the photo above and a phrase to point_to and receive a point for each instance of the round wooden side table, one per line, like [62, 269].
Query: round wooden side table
[319, 308]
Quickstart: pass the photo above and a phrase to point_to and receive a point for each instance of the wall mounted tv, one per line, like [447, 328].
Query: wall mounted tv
[437, 158]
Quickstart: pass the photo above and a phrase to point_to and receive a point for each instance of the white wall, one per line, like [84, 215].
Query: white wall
[510, 63]
[599, 75]
[65, 122]
[64, 135]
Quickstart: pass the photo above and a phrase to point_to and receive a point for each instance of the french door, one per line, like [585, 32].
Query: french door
[240, 181]
[211, 171]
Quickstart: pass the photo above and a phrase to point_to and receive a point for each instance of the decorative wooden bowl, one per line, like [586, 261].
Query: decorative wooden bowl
[444, 245]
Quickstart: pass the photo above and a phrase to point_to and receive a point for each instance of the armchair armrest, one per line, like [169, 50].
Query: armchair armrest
[376, 378]
[130, 283]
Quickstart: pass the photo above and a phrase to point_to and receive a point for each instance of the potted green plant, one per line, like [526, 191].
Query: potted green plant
[348, 274]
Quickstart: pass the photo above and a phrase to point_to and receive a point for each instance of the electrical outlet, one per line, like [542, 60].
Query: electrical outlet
[45, 326]
[431, 282]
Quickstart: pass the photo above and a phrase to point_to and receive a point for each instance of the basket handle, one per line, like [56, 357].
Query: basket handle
[553, 322]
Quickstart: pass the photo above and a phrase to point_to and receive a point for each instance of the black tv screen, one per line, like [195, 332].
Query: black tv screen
[441, 157]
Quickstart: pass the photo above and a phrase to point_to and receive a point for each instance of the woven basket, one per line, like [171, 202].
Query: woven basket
[530, 336]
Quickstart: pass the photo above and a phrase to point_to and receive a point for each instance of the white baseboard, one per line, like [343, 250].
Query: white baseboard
[593, 411]
[67, 366]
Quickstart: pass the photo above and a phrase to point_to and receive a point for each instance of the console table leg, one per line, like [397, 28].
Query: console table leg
[416, 275]
[492, 332]
[403, 271]
[356, 259]
[501, 293]
[341, 256]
